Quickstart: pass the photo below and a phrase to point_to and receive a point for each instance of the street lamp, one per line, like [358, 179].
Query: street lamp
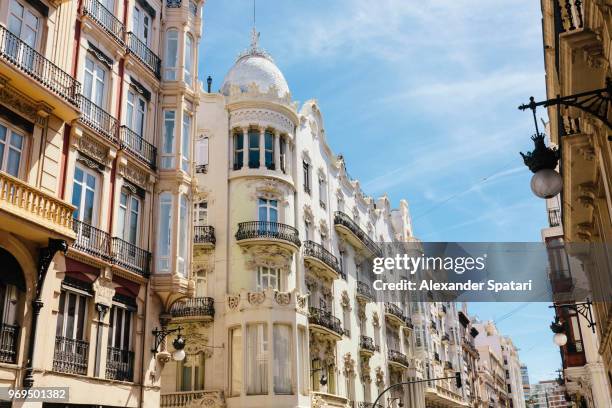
[560, 338]
[582, 308]
[178, 343]
[542, 161]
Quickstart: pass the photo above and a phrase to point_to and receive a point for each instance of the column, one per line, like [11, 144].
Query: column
[262, 147]
[245, 147]
[277, 162]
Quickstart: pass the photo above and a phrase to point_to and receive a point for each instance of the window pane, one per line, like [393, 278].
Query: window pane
[236, 363]
[282, 359]
[257, 359]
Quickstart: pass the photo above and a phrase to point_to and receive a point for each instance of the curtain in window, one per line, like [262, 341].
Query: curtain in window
[170, 60]
[165, 232]
[282, 359]
[236, 363]
[257, 359]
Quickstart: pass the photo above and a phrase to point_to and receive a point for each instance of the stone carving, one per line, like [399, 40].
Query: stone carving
[318, 402]
[366, 371]
[256, 298]
[271, 256]
[15, 100]
[380, 377]
[361, 314]
[262, 117]
[282, 298]
[134, 175]
[301, 302]
[271, 190]
[93, 149]
[308, 214]
[349, 365]
[345, 300]
[104, 290]
[233, 301]
[375, 319]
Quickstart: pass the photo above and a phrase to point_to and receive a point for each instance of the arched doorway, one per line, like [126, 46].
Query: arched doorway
[12, 293]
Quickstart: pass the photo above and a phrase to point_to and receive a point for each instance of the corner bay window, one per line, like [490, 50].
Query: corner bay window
[171, 57]
[253, 148]
[188, 76]
[238, 150]
[167, 153]
[183, 244]
[282, 358]
[257, 359]
[165, 232]
[236, 362]
[268, 278]
[186, 144]
[269, 149]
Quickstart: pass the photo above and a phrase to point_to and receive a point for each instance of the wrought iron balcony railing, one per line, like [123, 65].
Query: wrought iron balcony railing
[365, 290]
[173, 3]
[70, 355]
[395, 311]
[204, 234]
[408, 322]
[367, 343]
[136, 145]
[324, 318]
[267, 229]
[20, 55]
[398, 357]
[144, 53]
[98, 243]
[98, 119]
[315, 250]
[194, 307]
[341, 218]
[8, 343]
[554, 217]
[119, 364]
[104, 18]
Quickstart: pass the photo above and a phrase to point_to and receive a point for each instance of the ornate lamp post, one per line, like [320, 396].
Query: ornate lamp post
[178, 343]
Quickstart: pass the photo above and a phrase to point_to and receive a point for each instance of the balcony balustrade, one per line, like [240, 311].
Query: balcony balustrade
[135, 144]
[325, 319]
[144, 54]
[204, 234]
[20, 55]
[264, 230]
[105, 19]
[554, 217]
[98, 243]
[367, 344]
[344, 221]
[188, 399]
[26, 202]
[70, 356]
[8, 343]
[395, 356]
[323, 257]
[570, 15]
[393, 311]
[364, 291]
[98, 119]
[119, 364]
[199, 307]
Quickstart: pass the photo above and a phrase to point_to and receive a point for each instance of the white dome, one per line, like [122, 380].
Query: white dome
[255, 67]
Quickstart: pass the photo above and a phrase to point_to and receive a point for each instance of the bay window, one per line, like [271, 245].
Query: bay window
[283, 154]
[188, 74]
[167, 159]
[238, 150]
[269, 149]
[303, 361]
[253, 148]
[186, 142]
[257, 359]
[282, 358]
[171, 58]
[182, 228]
[236, 362]
[268, 278]
[12, 143]
[165, 232]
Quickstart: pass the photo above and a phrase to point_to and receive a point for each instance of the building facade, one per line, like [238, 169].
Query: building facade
[547, 394]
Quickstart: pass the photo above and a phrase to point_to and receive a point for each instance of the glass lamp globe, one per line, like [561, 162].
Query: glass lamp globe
[178, 355]
[546, 183]
[560, 339]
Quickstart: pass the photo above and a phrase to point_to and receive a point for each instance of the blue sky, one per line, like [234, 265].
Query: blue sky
[421, 98]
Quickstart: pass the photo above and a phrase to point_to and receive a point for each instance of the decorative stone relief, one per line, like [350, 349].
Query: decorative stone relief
[349, 365]
[134, 175]
[282, 298]
[271, 256]
[104, 290]
[93, 149]
[256, 298]
[323, 228]
[365, 371]
[380, 377]
[197, 339]
[271, 190]
[18, 102]
[345, 300]
[361, 314]
[233, 301]
[301, 302]
[263, 117]
[375, 319]
[308, 214]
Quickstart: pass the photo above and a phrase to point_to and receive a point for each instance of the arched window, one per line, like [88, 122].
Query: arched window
[188, 59]
[171, 59]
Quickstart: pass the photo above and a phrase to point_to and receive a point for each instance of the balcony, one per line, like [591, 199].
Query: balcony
[554, 217]
[105, 19]
[365, 293]
[204, 235]
[268, 232]
[134, 144]
[394, 314]
[325, 323]
[8, 343]
[144, 54]
[70, 356]
[354, 234]
[187, 399]
[398, 359]
[119, 364]
[99, 244]
[571, 15]
[367, 346]
[321, 260]
[33, 74]
[98, 119]
[199, 308]
[45, 215]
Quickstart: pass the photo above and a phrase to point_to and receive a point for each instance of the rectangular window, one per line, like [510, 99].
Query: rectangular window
[188, 59]
[120, 328]
[253, 149]
[136, 113]
[269, 149]
[183, 225]
[71, 315]
[191, 373]
[283, 154]
[186, 145]
[11, 150]
[304, 375]
[201, 159]
[238, 150]
[141, 25]
[128, 221]
[167, 160]
[282, 359]
[306, 175]
[24, 23]
[165, 232]
[85, 195]
[236, 361]
[322, 192]
[268, 278]
[171, 57]
[257, 359]
[268, 212]
[200, 214]
[94, 84]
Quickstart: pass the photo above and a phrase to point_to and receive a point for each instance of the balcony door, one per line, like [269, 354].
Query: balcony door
[94, 90]
[268, 215]
[136, 113]
[24, 24]
[200, 214]
[128, 228]
[141, 25]
[85, 199]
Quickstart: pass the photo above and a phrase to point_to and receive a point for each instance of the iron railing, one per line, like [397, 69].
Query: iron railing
[394, 310]
[136, 145]
[17, 53]
[194, 307]
[8, 343]
[315, 250]
[324, 318]
[341, 218]
[367, 343]
[397, 357]
[98, 119]
[204, 234]
[554, 217]
[91, 240]
[70, 355]
[173, 3]
[130, 257]
[104, 18]
[119, 364]
[267, 229]
[144, 53]
[408, 322]
[364, 289]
